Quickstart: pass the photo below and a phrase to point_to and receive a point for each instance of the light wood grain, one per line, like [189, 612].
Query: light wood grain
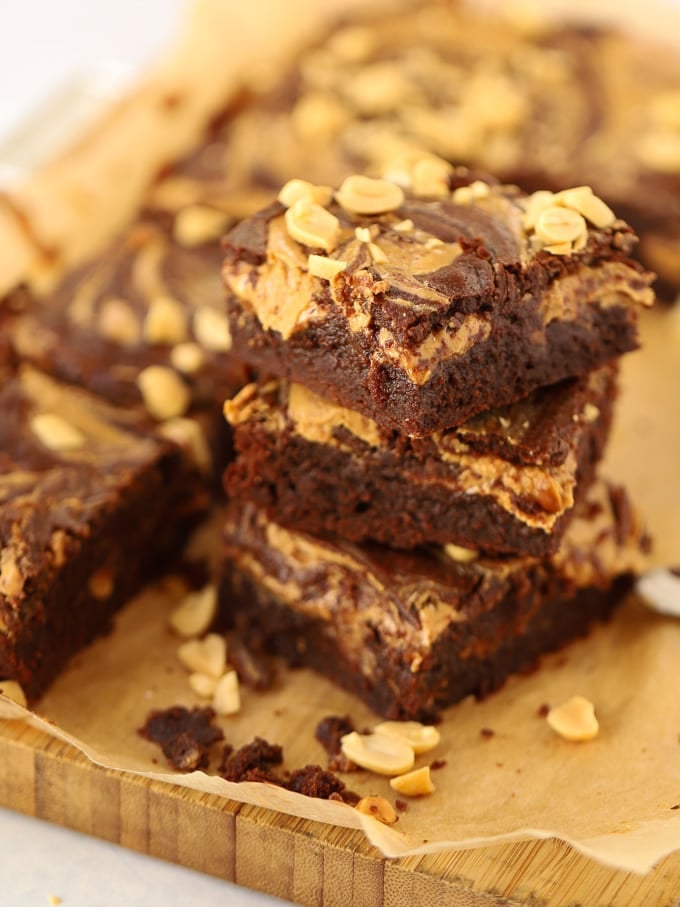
[305, 862]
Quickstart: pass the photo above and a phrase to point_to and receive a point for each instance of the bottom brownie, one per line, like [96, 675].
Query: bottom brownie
[93, 504]
[413, 632]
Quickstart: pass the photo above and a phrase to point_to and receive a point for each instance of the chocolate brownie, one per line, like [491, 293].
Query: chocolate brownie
[95, 503]
[420, 313]
[142, 323]
[504, 481]
[412, 632]
[537, 104]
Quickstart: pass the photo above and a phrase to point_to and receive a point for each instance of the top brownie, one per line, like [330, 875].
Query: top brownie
[420, 311]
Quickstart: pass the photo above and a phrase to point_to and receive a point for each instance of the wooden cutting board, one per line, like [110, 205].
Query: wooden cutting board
[305, 862]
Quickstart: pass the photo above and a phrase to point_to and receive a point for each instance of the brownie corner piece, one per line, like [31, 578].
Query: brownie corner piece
[428, 311]
[94, 503]
[411, 632]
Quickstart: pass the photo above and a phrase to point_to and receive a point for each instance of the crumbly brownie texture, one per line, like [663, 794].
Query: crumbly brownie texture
[93, 505]
[255, 761]
[412, 632]
[440, 309]
[184, 735]
[504, 481]
[538, 105]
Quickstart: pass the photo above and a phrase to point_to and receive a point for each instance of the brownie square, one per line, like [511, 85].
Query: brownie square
[503, 482]
[413, 632]
[432, 311]
[143, 323]
[93, 504]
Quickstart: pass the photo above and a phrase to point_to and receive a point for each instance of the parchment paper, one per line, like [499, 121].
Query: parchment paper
[611, 798]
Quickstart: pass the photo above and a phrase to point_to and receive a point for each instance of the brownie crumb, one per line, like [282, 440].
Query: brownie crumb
[329, 731]
[314, 781]
[543, 710]
[185, 753]
[164, 724]
[255, 758]
[184, 735]
[487, 733]
[401, 805]
[677, 806]
[437, 764]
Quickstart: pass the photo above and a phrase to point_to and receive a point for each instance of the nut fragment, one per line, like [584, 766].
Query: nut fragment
[187, 357]
[460, 554]
[378, 807]
[417, 783]
[377, 254]
[196, 613]
[384, 754]
[467, 195]
[591, 413]
[207, 655]
[326, 268]
[311, 225]
[430, 177]
[318, 117]
[211, 329]
[164, 393]
[574, 719]
[583, 200]
[118, 322]
[227, 697]
[300, 190]
[660, 589]
[559, 248]
[12, 690]
[165, 321]
[364, 195]
[202, 684]
[56, 433]
[536, 204]
[420, 737]
[559, 225]
[197, 224]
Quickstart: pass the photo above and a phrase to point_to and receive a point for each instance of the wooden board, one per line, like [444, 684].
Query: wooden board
[305, 862]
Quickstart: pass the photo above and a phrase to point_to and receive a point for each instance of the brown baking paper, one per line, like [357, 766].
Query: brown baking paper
[611, 798]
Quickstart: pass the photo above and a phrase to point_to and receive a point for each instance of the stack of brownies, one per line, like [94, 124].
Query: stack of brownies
[415, 511]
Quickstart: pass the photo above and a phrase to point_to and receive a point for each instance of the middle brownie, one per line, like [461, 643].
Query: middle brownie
[503, 482]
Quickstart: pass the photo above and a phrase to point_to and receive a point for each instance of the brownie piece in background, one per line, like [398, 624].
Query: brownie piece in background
[94, 503]
[541, 104]
[413, 632]
[504, 481]
[142, 324]
[421, 312]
